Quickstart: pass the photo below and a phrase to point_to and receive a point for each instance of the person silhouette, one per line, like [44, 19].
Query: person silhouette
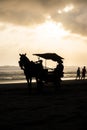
[83, 72]
[60, 68]
[78, 73]
[58, 73]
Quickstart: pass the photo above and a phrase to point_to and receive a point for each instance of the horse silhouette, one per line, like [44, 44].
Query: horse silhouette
[31, 69]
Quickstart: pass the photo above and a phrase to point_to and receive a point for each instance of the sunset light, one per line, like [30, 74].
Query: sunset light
[40, 26]
[51, 29]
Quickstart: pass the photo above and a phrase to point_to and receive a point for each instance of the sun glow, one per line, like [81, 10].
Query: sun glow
[46, 37]
[51, 29]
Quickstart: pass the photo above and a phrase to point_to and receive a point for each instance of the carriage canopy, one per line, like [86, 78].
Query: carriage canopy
[50, 56]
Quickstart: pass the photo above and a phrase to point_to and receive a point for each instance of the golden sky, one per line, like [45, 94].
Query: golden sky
[39, 26]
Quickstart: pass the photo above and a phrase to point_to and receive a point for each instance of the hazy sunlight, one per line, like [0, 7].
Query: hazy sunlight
[51, 29]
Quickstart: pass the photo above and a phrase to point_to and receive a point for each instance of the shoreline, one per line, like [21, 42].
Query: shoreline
[23, 84]
[33, 81]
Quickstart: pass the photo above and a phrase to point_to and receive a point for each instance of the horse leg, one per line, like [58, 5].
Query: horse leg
[37, 81]
[29, 82]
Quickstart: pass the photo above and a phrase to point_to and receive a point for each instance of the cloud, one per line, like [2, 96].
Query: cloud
[30, 12]
[75, 20]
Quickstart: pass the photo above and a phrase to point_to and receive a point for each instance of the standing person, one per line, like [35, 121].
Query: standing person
[83, 72]
[60, 68]
[78, 73]
[58, 73]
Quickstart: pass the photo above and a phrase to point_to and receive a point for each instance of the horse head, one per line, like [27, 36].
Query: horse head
[24, 61]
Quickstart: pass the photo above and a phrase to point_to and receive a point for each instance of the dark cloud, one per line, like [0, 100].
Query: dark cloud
[29, 12]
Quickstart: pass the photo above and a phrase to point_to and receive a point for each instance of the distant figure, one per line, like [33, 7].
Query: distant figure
[83, 72]
[78, 73]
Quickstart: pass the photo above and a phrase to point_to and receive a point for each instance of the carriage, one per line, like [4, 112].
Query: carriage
[42, 75]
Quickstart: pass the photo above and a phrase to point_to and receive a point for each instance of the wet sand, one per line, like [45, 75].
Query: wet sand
[64, 109]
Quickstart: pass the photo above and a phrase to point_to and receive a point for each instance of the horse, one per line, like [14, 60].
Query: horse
[31, 69]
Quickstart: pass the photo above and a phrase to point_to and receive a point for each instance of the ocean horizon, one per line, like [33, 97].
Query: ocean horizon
[13, 74]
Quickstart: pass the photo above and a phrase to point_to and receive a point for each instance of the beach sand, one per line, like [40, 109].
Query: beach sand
[64, 109]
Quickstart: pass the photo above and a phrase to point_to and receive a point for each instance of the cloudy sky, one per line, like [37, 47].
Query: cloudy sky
[39, 26]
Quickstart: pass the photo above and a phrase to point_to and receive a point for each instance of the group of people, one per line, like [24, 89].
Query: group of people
[81, 74]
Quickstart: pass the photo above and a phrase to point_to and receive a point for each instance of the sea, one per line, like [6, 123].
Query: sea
[13, 74]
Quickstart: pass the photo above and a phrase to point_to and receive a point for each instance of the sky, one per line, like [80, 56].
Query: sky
[40, 26]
